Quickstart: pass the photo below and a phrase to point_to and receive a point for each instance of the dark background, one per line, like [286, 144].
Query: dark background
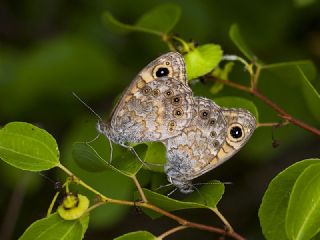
[51, 48]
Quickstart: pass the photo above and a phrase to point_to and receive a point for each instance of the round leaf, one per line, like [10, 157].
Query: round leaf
[202, 60]
[54, 227]
[275, 200]
[302, 222]
[28, 147]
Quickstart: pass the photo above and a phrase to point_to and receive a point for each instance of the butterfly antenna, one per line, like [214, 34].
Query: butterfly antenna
[170, 193]
[163, 186]
[87, 106]
[211, 183]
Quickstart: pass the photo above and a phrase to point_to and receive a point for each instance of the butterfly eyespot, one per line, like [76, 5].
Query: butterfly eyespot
[162, 72]
[212, 134]
[204, 114]
[178, 112]
[156, 92]
[236, 132]
[169, 93]
[176, 100]
[216, 143]
[146, 90]
[212, 121]
[167, 63]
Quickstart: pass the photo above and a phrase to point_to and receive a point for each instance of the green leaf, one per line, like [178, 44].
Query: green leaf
[221, 73]
[303, 214]
[275, 201]
[156, 155]
[162, 18]
[28, 147]
[141, 235]
[127, 162]
[52, 228]
[202, 60]
[311, 95]
[87, 158]
[237, 102]
[237, 39]
[123, 161]
[209, 196]
[158, 20]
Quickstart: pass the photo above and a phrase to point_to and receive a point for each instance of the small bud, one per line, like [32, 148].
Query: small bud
[73, 206]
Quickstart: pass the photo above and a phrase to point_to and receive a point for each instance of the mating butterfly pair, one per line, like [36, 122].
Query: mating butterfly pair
[159, 106]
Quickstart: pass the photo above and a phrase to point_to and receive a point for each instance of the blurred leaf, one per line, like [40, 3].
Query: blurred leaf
[157, 21]
[54, 227]
[237, 102]
[303, 3]
[295, 79]
[28, 147]
[311, 95]
[221, 73]
[202, 60]
[208, 197]
[156, 154]
[237, 39]
[141, 235]
[54, 69]
[162, 18]
[303, 214]
[275, 201]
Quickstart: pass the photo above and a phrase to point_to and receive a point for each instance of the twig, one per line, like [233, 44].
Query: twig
[171, 231]
[223, 219]
[142, 195]
[180, 220]
[282, 113]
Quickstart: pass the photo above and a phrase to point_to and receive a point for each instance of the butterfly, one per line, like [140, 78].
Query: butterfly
[213, 136]
[156, 106]
[159, 106]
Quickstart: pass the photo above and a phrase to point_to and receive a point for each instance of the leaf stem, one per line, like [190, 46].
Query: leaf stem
[282, 113]
[171, 231]
[142, 195]
[52, 203]
[223, 219]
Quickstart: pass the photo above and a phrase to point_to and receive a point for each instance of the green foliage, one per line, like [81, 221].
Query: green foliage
[143, 235]
[302, 220]
[208, 196]
[237, 39]
[202, 60]
[158, 21]
[28, 147]
[54, 227]
[280, 205]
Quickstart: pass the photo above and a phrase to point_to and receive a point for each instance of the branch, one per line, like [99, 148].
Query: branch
[178, 219]
[282, 113]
